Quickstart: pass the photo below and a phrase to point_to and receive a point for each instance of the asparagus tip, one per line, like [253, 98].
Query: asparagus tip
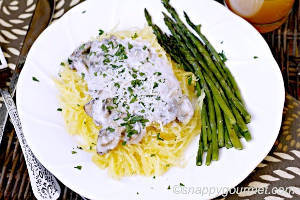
[199, 163]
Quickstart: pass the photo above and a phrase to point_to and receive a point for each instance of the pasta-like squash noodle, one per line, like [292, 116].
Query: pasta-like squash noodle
[155, 154]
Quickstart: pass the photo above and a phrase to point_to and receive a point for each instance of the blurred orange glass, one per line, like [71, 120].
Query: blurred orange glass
[264, 15]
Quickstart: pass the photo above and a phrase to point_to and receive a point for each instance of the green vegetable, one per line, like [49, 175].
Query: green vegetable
[158, 137]
[209, 155]
[134, 36]
[110, 129]
[101, 32]
[35, 79]
[78, 167]
[223, 115]
[190, 79]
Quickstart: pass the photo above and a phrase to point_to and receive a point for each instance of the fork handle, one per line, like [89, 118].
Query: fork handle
[44, 184]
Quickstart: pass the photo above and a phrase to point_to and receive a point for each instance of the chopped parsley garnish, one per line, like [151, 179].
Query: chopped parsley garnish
[117, 85]
[141, 73]
[169, 187]
[121, 52]
[124, 143]
[152, 155]
[79, 147]
[104, 75]
[92, 52]
[110, 108]
[144, 48]
[115, 99]
[223, 57]
[190, 79]
[95, 74]
[82, 75]
[157, 98]
[134, 36]
[143, 111]
[35, 79]
[110, 129]
[157, 73]
[130, 90]
[222, 42]
[101, 32]
[116, 66]
[82, 47]
[104, 48]
[62, 64]
[130, 120]
[155, 85]
[134, 75]
[78, 105]
[136, 82]
[83, 12]
[122, 71]
[78, 167]
[111, 44]
[59, 109]
[133, 99]
[154, 177]
[255, 57]
[134, 70]
[181, 184]
[74, 152]
[167, 165]
[158, 137]
[70, 61]
[137, 193]
[106, 61]
[130, 46]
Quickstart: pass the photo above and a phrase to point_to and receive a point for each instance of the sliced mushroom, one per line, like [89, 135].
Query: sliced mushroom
[77, 57]
[136, 138]
[108, 139]
[185, 110]
[88, 108]
[97, 109]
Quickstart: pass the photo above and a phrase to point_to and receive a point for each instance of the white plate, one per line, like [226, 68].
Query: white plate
[259, 79]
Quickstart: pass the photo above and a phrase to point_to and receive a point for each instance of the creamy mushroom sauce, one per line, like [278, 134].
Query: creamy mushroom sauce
[131, 87]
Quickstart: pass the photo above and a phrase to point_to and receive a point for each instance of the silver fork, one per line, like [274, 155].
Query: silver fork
[43, 183]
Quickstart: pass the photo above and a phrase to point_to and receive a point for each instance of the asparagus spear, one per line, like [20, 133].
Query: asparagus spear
[209, 155]
[240, 120]
[232, 135]
[228, 143]
[200, 152]
[220, 125]
[182, 28]
[204, 126]
[247, 135]
[167, 42]
[193, 62]
[219, 60]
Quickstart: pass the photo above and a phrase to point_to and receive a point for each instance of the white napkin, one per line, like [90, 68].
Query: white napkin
[3, 63]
